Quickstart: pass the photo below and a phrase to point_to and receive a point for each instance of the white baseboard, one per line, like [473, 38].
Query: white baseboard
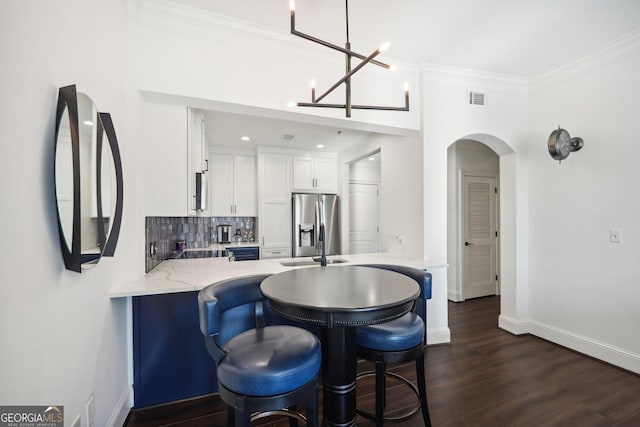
[515, 326]
[438, 336]
[599, 350]
[120, 412]
[593, 348]
[453, 295]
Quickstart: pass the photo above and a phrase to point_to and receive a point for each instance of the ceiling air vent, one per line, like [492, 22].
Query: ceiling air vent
[477, 98]
[287, 137]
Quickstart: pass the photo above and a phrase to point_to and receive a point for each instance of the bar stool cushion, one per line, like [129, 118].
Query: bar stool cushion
[396, 335]
[270, 360]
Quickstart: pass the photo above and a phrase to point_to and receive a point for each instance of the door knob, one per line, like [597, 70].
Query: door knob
[468, 244]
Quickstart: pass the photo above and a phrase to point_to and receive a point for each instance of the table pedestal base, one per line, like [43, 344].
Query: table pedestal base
[339, 365]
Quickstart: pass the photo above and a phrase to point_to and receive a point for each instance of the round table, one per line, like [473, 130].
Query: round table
[339, 298]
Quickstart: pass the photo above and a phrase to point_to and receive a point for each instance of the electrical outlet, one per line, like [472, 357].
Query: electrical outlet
[76, 422]
[615, 235]
[91, 410]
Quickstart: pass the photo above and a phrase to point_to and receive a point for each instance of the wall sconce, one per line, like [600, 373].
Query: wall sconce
[561, 144]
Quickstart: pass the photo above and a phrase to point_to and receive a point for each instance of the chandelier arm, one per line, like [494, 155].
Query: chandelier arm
[356, 107]
[329, 45]
[349, 74]
[312, 104]
[376, 107]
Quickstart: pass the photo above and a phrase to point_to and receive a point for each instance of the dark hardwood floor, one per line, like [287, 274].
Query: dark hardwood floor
[485, 377]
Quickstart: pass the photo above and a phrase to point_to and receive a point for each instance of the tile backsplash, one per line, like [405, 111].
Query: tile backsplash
[197, 232]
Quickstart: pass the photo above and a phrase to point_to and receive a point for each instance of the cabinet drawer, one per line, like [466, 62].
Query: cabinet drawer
[276, 252]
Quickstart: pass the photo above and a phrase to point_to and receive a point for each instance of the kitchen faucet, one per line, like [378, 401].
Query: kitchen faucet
[321, 238]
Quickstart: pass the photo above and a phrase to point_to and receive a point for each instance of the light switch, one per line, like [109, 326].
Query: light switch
[615, 235]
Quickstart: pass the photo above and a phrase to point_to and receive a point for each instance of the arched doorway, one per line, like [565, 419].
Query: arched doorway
[473, 212]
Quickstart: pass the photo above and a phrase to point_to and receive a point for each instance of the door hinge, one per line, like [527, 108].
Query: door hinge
[496, 277]
[496, 233]
[495, 190]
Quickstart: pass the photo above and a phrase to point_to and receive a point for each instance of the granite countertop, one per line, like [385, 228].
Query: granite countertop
[184, 275]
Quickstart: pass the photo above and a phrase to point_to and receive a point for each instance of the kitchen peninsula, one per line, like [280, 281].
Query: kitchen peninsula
[186, 275]
[168, 358]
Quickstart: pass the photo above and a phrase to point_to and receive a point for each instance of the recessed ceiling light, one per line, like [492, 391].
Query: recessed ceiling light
[320, 146]
[245, 138]
[88, 123]
[372, 158]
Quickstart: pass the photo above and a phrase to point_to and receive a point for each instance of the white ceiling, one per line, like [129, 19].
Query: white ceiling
[516, 37]
[226, 129]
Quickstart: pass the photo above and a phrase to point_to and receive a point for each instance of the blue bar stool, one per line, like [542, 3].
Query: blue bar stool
[400, 340]
[264, 366]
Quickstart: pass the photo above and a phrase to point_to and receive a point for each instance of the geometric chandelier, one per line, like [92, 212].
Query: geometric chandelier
[349, 72]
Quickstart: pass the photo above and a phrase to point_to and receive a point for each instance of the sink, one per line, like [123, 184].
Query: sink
[303, 262]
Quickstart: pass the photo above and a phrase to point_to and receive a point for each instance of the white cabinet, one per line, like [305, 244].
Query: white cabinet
[274, 176]
[233, 185]
[164, 159]
[315, 174]
[198, 163]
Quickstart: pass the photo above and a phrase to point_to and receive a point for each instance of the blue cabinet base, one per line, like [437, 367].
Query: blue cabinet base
[170, 361]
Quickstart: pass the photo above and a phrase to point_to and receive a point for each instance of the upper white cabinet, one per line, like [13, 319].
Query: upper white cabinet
[198, 163]
[233, 185]
[165, 159]
[274, 177]
[315, 174]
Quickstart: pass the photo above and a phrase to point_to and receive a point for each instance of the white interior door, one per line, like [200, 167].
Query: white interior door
[480, 231]
[363, 218]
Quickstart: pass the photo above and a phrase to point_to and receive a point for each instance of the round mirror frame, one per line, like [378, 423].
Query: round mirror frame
[73, 257]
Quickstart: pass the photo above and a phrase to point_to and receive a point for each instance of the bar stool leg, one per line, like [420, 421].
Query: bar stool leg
[381, 394]
[311, 410]
[422, 388]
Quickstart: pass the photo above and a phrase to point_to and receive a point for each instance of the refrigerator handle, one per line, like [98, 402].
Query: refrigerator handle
[316, 225]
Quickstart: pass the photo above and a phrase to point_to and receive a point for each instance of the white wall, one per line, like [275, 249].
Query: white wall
[584, 290]
[400, 191]
[500, 125]
[199, 55]
[401, 201]
[63, 338]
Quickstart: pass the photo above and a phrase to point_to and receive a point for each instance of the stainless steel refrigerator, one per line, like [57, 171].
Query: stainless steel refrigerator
[309, 211]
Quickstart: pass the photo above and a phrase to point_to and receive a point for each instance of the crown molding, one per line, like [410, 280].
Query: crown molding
[453, 76]
[172, 13]
[611, 53]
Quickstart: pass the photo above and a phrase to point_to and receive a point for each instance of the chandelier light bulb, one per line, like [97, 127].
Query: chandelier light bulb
[384, 46]
[292, 6]
[313, 83]
[406, 87]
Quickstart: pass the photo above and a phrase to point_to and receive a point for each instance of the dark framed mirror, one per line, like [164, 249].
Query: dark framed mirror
[88, 181]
